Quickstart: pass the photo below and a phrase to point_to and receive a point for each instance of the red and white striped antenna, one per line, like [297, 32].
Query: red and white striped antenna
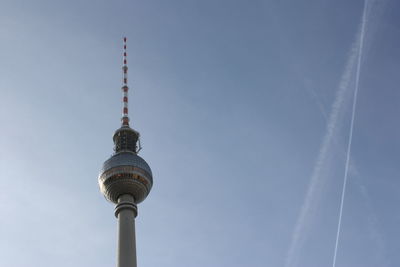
[125, 88]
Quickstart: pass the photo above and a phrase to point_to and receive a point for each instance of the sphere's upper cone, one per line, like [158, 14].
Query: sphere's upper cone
[125, 173]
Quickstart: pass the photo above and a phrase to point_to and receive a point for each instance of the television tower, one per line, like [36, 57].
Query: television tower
[125, 179]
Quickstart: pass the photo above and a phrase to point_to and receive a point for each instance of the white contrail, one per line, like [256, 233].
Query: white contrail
[317, 180]
[346, 169]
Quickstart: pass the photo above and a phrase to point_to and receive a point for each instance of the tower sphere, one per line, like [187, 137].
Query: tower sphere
[125, 173]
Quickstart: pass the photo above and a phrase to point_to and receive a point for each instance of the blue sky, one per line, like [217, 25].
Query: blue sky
[232, 99]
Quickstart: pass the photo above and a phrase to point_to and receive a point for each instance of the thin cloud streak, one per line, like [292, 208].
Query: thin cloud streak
[355, 96]
[316, 182]
[316, 179]
[373, 220]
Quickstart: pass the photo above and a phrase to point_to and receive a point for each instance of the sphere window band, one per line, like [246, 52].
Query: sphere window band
[130, 175]
[124, 169]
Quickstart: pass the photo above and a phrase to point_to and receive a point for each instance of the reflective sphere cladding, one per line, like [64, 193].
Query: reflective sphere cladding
[125, 173]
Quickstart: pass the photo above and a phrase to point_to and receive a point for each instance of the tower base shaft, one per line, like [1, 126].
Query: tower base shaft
[126, 212]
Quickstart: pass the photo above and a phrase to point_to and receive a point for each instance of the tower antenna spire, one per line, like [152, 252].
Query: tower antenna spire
[125, 88]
